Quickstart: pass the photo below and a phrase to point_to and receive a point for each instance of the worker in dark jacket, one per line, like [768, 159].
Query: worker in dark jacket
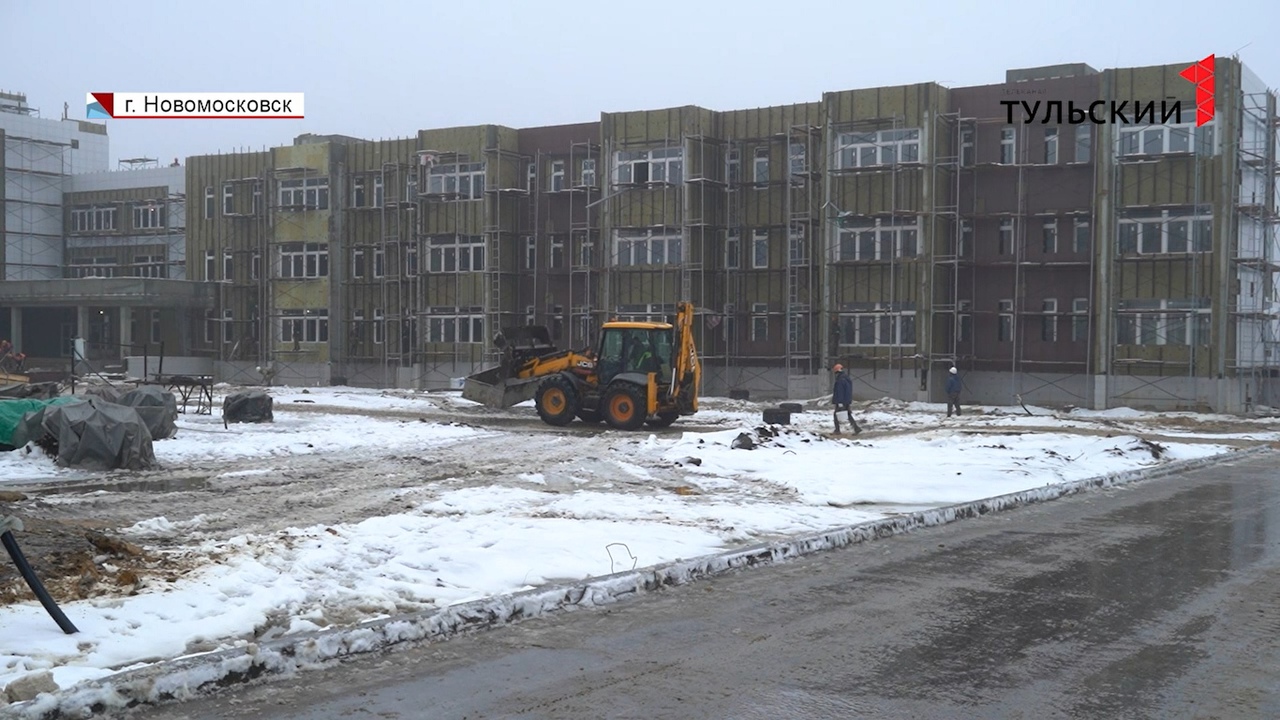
[953, 392]
[842, 398]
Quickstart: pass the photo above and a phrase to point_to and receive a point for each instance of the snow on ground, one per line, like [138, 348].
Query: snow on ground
[651, 498]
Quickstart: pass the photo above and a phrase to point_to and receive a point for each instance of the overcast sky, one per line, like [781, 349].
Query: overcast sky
[376, 69]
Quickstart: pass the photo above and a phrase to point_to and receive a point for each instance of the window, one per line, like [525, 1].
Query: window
[1084, 143]
[1051, 146]
[530, 252]
[210, 209]
[1007, 146]
[456, 253]
[759, 249]
[557, 253]
[966, 146]
[759, 322]
[532, 178]
[1163, 322]
[589, 172]
[1164, 231]
[148, 217]
[647, 247]
[228, 199]
[411, 187]
[871, 324]
[965, 308]
[93, 219]
[357, 192]
[210, 332]
[1006, 237]
[1004, 329]
[357, 263]
[379, 326]
[660, 165]
[148, 266]
[879, 239]
[257, 197]
[557, 176]
[1079, 319]
[228, 265]
[799, 159]
[210, 268]
[1049, 321]
[966, 238]
[379, 262]
[309, 193]
[1050, 237]
[733, 249]
[798, 244]
[585, 250]
[411, 260]
[377, 191]
[886, 147]
[255, 266]
[304, 260]
[760, 168]
[462, 181]
[309, 326]
[733, 167]
[155, 326]
[460, 328]
[228, 327]
[1166, 139]
[103, 267]
[1082, 239]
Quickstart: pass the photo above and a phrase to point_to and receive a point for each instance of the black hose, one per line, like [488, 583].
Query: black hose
[37, 587]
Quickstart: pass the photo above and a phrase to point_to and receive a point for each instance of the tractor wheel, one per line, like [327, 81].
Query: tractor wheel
[590, 417]
[662, 420]
[557, 401]
[624, 407]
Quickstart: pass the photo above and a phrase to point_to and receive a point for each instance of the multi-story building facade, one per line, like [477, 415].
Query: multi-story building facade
[895, 230]
[88, 253]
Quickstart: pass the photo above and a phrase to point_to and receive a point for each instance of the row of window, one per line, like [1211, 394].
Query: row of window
[146, 216]
[144, 266]
[312, 326]
[301, 261]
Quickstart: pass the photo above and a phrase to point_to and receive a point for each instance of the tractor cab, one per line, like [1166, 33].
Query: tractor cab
[635, 347]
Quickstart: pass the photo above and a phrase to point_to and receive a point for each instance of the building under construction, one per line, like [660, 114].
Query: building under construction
[896, 230]
[88, 253]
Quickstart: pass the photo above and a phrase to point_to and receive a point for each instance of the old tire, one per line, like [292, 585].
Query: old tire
[557, 401]
[624, 407]
[662, 420]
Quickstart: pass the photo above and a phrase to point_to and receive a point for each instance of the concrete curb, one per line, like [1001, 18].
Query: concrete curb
[187, 678]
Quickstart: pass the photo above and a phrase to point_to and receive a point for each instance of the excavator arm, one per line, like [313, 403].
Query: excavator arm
[686, 368]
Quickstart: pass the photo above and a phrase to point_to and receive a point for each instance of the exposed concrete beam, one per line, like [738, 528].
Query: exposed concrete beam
[135, 292]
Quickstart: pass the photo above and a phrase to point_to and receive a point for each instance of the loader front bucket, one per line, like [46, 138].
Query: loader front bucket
[491, 389]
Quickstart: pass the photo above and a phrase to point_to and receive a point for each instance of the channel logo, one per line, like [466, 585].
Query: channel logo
[1201, 75]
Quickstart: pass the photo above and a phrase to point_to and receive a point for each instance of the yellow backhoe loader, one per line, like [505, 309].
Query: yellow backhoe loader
[641, 373]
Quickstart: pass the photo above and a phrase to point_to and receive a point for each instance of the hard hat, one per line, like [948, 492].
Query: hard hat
[838, 367]
[953, 371]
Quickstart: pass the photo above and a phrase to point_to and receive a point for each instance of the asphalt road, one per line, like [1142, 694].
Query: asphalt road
[1158, 600]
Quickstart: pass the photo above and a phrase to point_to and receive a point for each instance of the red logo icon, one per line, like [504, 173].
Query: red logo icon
[1201, 75]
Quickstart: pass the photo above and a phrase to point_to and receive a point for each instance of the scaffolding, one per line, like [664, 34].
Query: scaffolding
[950, 250]
[35, 172]
[502, 216]
[584, 240]
[1257, 267]
[876, 208]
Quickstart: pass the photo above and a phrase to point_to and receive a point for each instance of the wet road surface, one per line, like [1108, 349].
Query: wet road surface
[1158, 600]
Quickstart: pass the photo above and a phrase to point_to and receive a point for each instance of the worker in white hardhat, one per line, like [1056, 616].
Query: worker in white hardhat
[953, 391]
[842, 398]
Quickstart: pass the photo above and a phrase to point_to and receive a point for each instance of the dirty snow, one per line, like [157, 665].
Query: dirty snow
[578, 507]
